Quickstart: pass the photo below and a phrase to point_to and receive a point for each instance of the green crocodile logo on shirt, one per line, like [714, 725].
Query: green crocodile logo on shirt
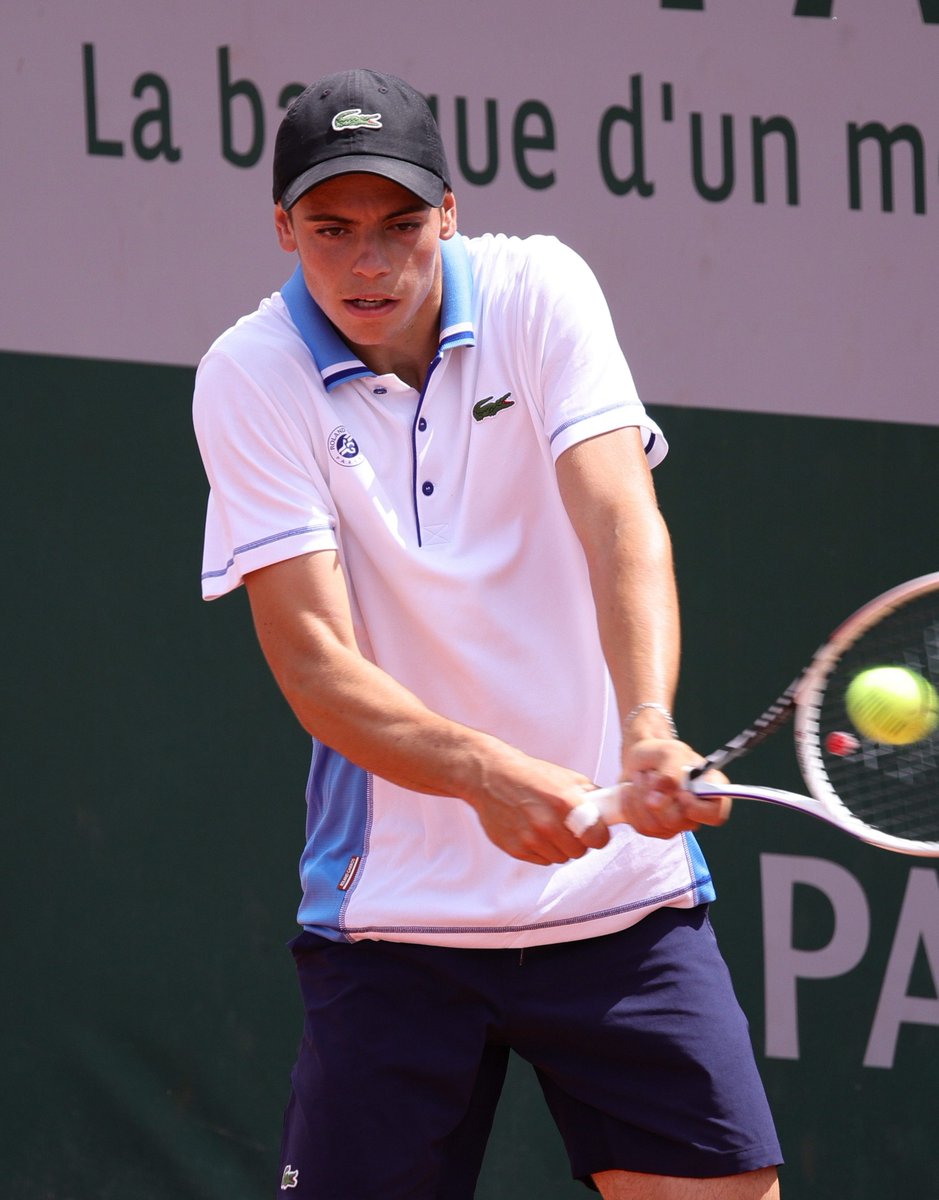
[489, 407]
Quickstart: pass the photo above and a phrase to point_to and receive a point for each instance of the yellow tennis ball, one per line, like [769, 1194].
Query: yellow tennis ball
[892, 705]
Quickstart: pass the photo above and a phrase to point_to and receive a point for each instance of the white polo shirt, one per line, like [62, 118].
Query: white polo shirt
[467, 582]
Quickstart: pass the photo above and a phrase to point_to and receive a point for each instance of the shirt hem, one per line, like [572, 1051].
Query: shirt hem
[574, 928]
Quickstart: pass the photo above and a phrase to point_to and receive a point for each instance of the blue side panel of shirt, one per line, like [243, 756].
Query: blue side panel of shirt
[702, 884]
[338, 821]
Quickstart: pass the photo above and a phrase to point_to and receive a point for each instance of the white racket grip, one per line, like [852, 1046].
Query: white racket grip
[603, 804]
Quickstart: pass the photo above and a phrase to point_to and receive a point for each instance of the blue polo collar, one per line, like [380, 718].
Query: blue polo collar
[336, 362]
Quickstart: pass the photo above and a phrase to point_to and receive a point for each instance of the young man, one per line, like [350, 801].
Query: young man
[430, 468]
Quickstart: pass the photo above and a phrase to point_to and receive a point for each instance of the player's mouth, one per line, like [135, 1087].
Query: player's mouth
[370, 305]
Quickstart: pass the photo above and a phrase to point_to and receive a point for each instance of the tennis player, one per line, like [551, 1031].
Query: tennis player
[430, 468]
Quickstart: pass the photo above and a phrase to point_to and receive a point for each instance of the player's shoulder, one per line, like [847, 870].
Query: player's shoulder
[509, 252]
[268, 328]
[260, 360]
[261, 346]
[537, 269]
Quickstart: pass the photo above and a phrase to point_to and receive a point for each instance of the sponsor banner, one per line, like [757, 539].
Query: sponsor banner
[755, 185]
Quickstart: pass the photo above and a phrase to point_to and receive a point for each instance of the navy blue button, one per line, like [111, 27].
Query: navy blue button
[379, 391]
[428, 488]
[422, 424]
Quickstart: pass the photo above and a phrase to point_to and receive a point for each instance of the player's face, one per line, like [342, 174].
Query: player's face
[370, 254]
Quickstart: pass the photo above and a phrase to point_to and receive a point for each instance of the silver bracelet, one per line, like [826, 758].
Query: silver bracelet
[659, 708]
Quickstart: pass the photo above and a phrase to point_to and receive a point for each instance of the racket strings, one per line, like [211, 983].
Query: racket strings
[893, 788]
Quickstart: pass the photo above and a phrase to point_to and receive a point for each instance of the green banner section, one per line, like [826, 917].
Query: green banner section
[152, 808]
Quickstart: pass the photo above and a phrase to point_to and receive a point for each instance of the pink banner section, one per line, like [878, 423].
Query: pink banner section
[755, 185]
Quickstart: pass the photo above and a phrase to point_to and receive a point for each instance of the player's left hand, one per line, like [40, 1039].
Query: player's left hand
[658, 802]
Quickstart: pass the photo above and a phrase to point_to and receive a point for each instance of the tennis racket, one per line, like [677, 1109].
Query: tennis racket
[884, 794]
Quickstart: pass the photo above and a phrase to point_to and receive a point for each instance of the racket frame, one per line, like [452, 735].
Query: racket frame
[808, 698]
[804, 698]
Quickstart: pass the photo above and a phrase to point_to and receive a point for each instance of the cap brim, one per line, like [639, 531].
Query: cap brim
[424, 184]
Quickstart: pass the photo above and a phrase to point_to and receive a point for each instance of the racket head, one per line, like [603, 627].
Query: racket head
[885, 794]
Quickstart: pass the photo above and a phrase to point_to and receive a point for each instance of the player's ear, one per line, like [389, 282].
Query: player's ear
[448, 217]
[284, 227]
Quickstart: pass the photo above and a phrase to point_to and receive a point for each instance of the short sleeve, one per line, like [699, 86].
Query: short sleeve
[583, 376]
[268, 500]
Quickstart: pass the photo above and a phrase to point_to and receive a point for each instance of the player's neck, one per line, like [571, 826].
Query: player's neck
[409, 358]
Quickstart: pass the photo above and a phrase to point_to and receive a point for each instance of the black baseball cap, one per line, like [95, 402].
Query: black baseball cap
[359, 120]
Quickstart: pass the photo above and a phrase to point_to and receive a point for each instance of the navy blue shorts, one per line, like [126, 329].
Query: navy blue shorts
[637, 1039]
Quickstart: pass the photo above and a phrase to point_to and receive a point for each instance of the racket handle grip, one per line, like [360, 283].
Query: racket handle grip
[607, 804]
[603, 804]
[693, 773]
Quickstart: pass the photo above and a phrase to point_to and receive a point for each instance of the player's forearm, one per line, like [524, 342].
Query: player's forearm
[303, 621]
[348, 703]
[638, 619]
[608, 494]
[353, 706]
